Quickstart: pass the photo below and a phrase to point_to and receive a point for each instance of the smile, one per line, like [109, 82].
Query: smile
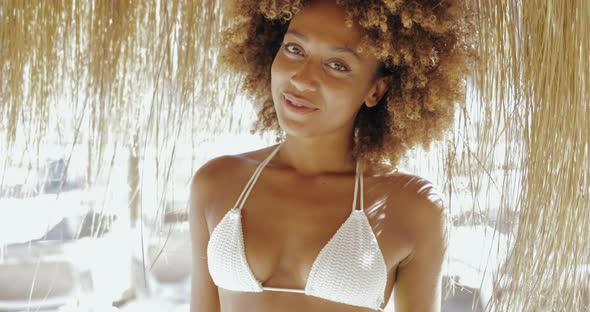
[298, 106]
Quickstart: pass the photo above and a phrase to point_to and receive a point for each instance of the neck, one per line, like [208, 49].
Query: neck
[312, 156]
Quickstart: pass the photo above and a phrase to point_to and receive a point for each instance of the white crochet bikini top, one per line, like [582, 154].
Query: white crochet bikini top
[350, 269]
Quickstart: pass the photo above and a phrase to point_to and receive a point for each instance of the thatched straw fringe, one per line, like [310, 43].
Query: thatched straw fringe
[129, 73]
[535, 80]
[103, 70]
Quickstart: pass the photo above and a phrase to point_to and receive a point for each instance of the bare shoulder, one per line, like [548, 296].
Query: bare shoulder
[209, 174]
[419, 201]
[205, 184]
[420, 190]
[401, 183]
[212, 179]
[219, 168]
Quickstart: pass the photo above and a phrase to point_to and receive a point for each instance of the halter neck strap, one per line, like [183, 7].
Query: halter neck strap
[246, 191]
[358, 180]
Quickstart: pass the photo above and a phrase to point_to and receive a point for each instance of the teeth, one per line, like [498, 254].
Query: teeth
[297, 105]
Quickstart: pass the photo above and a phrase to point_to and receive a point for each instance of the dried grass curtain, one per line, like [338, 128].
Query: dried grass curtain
[534, 81]
[119, 73]
[83, 69]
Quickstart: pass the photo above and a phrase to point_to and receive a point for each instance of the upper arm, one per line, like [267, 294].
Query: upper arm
[418, 285]
[204, 295]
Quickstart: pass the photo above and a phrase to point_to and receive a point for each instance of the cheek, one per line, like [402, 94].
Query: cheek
[278, 70]
[345, 98]
[342, 89]
[278, 79]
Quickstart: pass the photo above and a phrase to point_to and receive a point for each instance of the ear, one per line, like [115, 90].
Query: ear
[377, 91]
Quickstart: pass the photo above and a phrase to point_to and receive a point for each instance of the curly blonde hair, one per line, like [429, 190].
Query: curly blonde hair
[423, 45]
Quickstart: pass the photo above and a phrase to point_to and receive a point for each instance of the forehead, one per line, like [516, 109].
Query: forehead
[324, 21]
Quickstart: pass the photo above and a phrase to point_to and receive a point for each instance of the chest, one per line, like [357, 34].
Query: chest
[287, 222]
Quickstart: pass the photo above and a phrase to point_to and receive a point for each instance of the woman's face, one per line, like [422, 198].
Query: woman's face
[317, 69]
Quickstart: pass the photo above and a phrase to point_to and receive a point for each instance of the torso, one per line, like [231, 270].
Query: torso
[288, 218]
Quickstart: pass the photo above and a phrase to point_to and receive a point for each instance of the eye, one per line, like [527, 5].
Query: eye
[339, 67]
[291, 48]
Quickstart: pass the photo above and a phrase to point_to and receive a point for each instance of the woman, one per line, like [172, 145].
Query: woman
[323, 221]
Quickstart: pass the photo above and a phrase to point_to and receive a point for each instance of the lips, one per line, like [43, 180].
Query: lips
[299, 101]
[298, 104]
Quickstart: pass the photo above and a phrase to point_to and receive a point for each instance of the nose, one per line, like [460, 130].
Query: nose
[305, 77]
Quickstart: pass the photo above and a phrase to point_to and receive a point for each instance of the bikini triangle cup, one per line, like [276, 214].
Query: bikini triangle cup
[349, 269]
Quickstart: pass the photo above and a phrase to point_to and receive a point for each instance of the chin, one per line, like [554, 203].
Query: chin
[295, 128]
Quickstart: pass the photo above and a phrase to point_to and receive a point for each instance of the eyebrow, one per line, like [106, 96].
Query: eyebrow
[335, 49]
